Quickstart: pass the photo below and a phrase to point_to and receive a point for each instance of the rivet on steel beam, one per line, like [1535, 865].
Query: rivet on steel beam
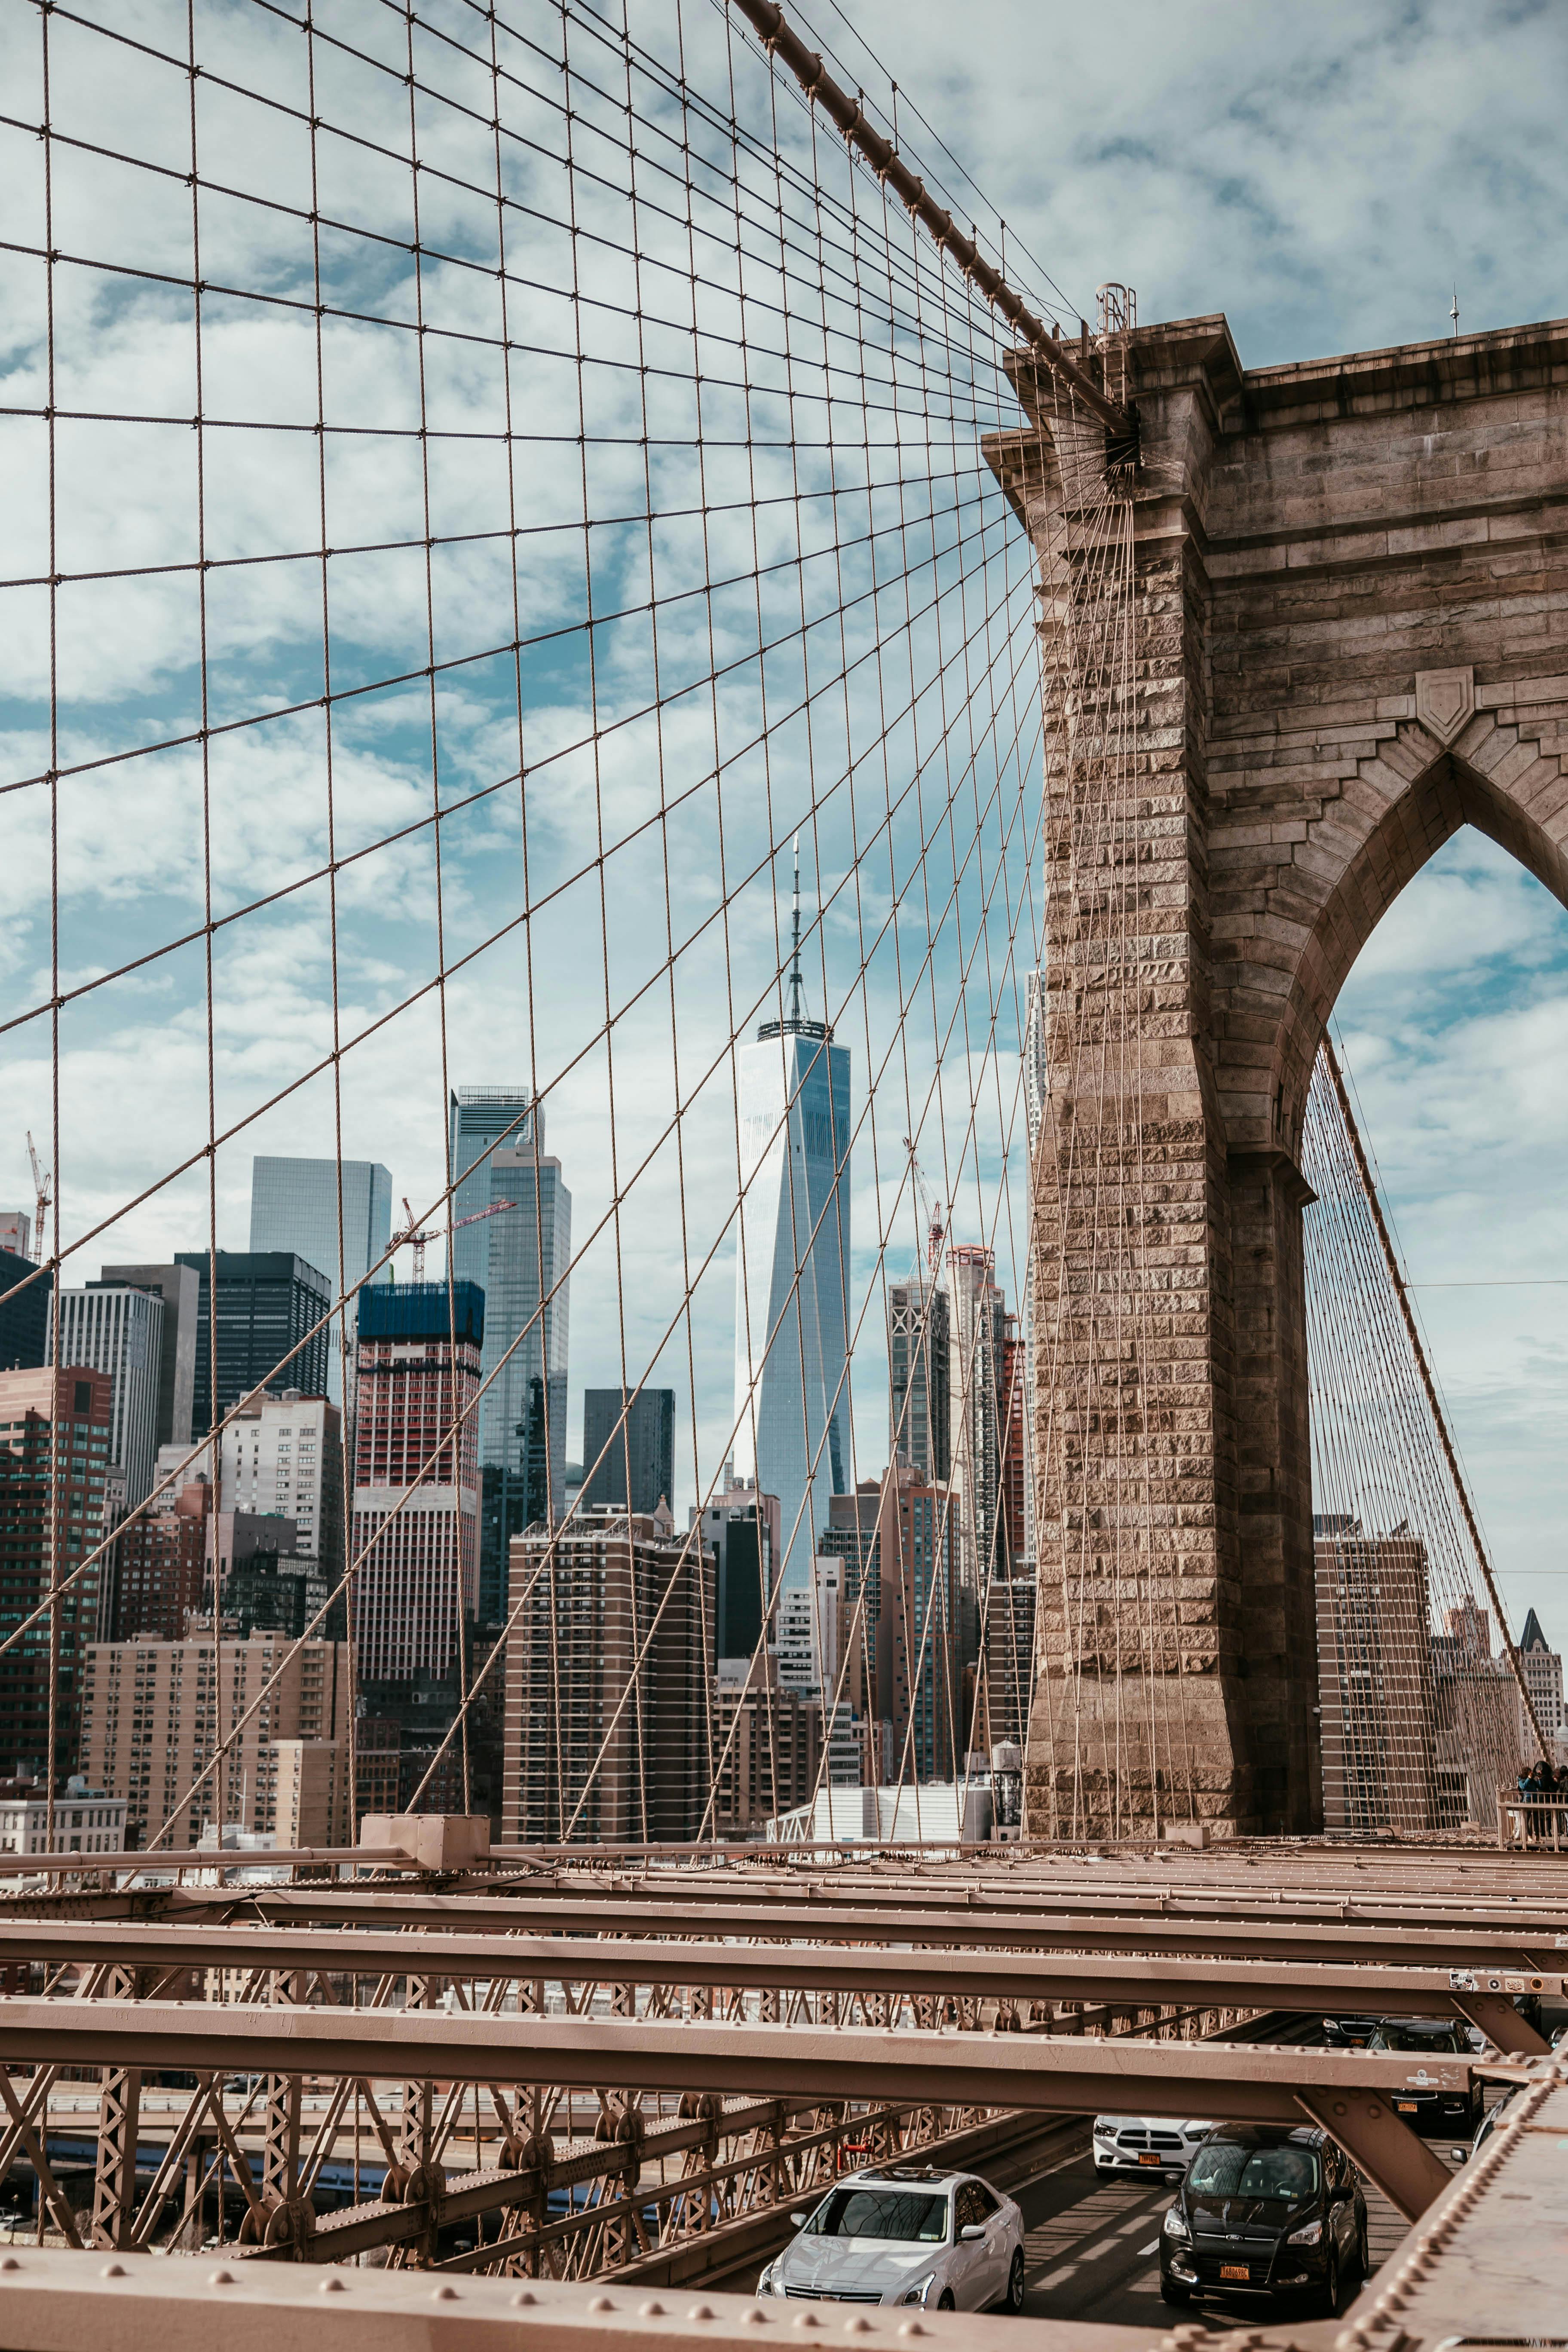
[523, 2297]
[112, 2269]
[856, 2326]
[645, 2310]
[910, 2328]
[215, 2278]
[9, 2262]
[332, 2286]
[601, 2303]
[446, 2295]
[700, 2310]
[754, 2317]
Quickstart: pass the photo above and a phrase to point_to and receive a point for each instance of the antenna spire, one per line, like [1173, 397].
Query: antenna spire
[1454, 313]
[795, 982]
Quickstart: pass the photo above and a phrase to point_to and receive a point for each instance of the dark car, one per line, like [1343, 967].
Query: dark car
[1265, 2209]
[1350, 2033]
[1430, 2107]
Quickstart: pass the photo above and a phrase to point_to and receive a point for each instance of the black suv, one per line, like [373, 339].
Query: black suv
[1265, 2209]
[1426, 2106]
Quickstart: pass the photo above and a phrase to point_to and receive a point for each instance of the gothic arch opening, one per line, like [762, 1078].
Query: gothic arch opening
[1526, 813]
[1455, 1015]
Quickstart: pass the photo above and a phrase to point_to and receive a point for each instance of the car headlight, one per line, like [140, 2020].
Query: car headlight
[1173, 2225]
[1105, 2131]
[919, 2291]
[1307, 2235]
[765, 2284]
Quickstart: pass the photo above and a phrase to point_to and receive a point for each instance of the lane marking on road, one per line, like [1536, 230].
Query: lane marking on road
[1152, 2248]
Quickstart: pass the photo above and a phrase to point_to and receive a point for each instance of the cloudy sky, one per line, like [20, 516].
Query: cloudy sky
[1324, 174]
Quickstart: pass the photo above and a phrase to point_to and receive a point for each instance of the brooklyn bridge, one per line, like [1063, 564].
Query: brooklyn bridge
[610, 468]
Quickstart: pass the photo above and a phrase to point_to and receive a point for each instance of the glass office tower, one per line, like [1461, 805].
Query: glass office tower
[268, 1301]
[792, 1269]
[118, 1330]
[294, 1206]
[636, 1440]
[518, 1255]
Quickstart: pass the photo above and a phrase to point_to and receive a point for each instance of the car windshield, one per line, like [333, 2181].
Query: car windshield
[909, 2217]
[1224, 2170]
[1440, 2041]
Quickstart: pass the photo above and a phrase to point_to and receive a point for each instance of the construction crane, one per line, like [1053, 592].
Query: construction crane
[413, 1234]
[935, 1213]
[43, 1193]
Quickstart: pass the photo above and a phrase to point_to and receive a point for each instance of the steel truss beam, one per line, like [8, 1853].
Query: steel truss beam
[1524, 1946]
[1476, 1998]
[53, 2300]
[1239, 2082]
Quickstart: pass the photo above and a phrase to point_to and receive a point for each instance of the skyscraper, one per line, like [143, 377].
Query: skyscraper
[118, 1330]
[1017, 1486]
[979, 1372]
[282, 1453]
[609, 1683]
[920, 1671]
[24, 1312]
[180, 1289]
[418, 1555]
[918, 1378]
[637, 1471]
[267, 1302]
[518, 1257]
[54, 1469]
[1375, 1675]
[740, 1527]
[792, 1269]
[294, 1206]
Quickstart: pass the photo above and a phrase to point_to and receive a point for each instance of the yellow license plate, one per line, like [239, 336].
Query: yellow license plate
[1406, 2106]
[1147, 2156]
[1235, 2271]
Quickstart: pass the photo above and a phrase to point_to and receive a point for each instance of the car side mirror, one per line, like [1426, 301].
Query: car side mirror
[1460, 2155]
[798, 2221]
[972, 2230]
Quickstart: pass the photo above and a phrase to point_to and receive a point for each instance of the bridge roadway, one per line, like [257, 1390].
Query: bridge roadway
[1003, 1959]
[1093, 2242]
[1484, 2265]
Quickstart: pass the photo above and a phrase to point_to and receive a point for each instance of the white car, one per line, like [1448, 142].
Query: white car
[902, 2233]
[1152, 2143]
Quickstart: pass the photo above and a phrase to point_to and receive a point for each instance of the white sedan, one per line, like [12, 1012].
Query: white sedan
[1147, 2144]
[902, 2233]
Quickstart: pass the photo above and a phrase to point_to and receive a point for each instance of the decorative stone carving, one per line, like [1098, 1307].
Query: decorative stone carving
[1445, 700]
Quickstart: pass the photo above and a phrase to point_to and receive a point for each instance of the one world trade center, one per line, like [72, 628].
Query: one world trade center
[791, 1401]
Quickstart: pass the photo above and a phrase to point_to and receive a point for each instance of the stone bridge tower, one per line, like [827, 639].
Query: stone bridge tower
[1322, 624]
